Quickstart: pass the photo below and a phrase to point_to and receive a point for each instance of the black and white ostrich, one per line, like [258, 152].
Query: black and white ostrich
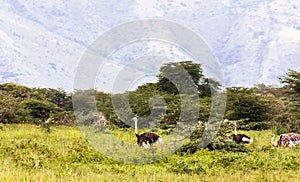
[146, 139]
[286, 140]
[240, 138]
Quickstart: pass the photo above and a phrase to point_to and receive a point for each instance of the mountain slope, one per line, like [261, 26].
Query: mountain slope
[41, 44]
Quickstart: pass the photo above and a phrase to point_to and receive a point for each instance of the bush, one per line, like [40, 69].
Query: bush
[228, 146]
[82, 153]
[64, 118]
[29, 153]
[186, 168]
[287, 123]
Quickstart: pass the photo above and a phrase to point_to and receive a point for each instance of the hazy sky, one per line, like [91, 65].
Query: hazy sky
[43, 42]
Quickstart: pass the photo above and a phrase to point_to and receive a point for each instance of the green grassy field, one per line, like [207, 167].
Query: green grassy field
[28, 153]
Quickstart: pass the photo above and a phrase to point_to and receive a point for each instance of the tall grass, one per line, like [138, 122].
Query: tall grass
[28, 153]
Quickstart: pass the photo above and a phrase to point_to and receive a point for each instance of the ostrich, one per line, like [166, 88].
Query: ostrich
[145, 139]
[240, 138]
[286, 140]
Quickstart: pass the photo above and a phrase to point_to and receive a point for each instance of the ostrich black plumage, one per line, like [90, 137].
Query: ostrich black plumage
[146, 139]
[240, 138]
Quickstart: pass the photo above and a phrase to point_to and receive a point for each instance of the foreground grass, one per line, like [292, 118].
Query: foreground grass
[27, 153]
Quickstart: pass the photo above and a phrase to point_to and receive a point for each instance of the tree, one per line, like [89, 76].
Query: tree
[23, 104]
[290, 120]
[263, 89]
[186, 77]
[243, 104]
[40, 109]
[16, 91]
[84, 101]
[10, 112]
[114, 108]
[57, 96]
[291, 80]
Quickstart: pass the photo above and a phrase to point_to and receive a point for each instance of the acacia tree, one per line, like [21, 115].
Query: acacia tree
[39, 110]
[57, 96]
[183, 74]
[290, 120]
[10, 110]
[291, 81]
[243, 104]
[16, 91]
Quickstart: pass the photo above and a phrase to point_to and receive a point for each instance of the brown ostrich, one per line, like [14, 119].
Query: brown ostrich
[286, 140]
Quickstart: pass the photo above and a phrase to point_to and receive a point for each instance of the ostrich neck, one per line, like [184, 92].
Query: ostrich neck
[135, 127]
[272, 141]
[235, 132]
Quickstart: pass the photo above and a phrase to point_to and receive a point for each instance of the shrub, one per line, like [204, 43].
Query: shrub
[186, 168]
[29, 153]
[64, 118]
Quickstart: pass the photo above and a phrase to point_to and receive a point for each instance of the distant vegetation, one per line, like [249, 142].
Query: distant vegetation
[261, 107]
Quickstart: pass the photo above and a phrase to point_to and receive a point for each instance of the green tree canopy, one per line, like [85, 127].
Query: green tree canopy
[10, 110]
[292, 81]
[243, 104]
[186, 76]
[290, 120]
[40, 109]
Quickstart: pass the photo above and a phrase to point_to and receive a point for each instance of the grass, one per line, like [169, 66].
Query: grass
[28, 153]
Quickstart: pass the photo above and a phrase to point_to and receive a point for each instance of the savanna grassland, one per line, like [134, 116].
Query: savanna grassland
[28, 153]
[39, 140]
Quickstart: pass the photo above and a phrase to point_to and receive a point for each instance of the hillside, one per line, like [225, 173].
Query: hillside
[43, 42]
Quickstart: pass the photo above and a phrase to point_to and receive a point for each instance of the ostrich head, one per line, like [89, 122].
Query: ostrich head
[134, 119]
